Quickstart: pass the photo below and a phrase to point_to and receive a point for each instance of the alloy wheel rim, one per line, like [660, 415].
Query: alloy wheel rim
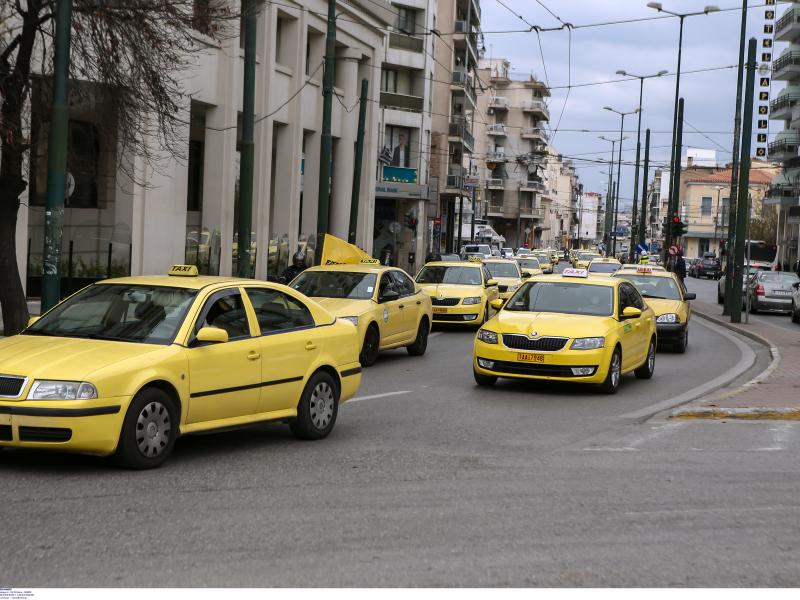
[321, 405]
[153, 429]
[651, 358]
[615, 370]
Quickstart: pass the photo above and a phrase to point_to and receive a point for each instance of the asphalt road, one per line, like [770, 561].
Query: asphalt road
[429, 481]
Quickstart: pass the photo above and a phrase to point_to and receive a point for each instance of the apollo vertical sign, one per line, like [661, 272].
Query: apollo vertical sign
[765, 80]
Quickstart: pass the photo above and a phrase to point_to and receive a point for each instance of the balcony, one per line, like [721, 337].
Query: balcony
[787, 66]
[534, 133]
[495, 184]
[783, 150]
[401, 41]
[462, 82]
[531, 212]
[788, 26]
[781, 107]
[496, 156]
[531, 185]
[459, 132]
[498, 103]
[463, 33]
[538, 108]
[399, 174]
[497, 129]
[495, 210]
[782, 194]
[402, 101]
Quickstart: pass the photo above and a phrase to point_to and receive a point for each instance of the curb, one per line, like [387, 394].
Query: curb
[742, 414]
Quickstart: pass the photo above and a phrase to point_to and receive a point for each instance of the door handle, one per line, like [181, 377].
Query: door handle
[311, 346]
[419, 302]
[253, 356]
[402, 306]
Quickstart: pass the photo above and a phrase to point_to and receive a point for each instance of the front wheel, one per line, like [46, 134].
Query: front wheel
[795, 314]
[148, 431]
[484, 380]
[372, 344]
[421, 342]
[680, 346]
[646, 370]
[611, 383]
[318, 407]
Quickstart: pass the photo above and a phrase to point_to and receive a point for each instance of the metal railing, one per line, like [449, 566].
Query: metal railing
[783, 190]
[783, 147]
[495, 182]
[534, 132]
[496, 156]
[497, 129]
[536, 106]
[402, 101]
[787, 101]
[495, 208]
[785, 60]
[531, 212]
[402, 41]
[498, 102]
[531, 184]
[791, 16]
[459, 129]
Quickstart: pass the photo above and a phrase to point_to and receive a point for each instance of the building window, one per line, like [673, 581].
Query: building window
[83, 163]
[406, 20]
[389, 80]
[705, 206]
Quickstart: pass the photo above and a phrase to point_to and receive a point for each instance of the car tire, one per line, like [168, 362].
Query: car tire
[649, 365]
[421, 341]
[611, 383]
[484, 380]
[371, 346]
[795, 314]
[317, 408]
[680, 347]
[149, 430]
[753, 308]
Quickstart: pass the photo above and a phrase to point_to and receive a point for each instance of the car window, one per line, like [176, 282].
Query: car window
[503, 269]
[336, 284]
[403, 283]
[634, 296]
[278, 311]
[777, 277]
[455, 275]
[225, 310]
[386, 284]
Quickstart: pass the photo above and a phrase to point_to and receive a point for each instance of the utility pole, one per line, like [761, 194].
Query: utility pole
[632, 245]
[674, 161]
[742, 212]
[57, 159]
[248, 144]
[609, 200]
[326, 140]
[643, 213]
[737, 126]
[354, 196]
[612, 229]
[616, 193]
[675, 175]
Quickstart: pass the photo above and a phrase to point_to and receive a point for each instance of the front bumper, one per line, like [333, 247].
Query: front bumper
[458, 314]
[556, 366]
[89, 426]
[667, 333]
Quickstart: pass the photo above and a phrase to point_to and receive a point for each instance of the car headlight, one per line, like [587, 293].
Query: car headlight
[353, 320]
[486, 336]
[471, 300]
[62, 390]
[668, 318]
[589, 343]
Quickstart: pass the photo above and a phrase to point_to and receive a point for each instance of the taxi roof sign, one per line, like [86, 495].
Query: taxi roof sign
[183, 271]
[370, 261]
[575, 273]
[644, 270]
[475, 259]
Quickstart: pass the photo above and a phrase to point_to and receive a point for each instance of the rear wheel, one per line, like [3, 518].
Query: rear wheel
[611, 384]
[318, 407]
[484, 380]
[148, 431]
[753, 307]
[372, 343]
[646, 370]
[795, 314]
[421, 342]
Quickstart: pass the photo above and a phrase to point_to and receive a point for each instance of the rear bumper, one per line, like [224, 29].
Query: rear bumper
[769, 303]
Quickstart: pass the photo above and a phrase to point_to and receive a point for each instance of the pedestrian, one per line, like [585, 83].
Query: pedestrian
[680, 268]
[298, 266]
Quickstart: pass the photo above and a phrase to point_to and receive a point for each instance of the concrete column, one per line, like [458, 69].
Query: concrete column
[344, 157]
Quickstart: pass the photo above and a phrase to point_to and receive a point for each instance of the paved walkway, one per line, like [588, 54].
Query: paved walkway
[774, 394]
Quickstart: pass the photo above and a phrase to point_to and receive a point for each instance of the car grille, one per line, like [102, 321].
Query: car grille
[502, 288]
[10, 387]
[542, 344]
[445, 301]
[5, 433]
[44, 434]
[515, 368]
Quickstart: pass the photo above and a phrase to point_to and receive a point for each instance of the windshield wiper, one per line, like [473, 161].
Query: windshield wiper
[646, 295]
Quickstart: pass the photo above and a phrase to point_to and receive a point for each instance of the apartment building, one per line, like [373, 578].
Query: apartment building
[402, 190]
[454, 101]
[785, 190]
[588, 207]
[657, 200]
[513, 146]
[186, 211]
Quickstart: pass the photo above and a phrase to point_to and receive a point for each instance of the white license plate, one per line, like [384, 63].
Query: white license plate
[782, 293]
[526, 357]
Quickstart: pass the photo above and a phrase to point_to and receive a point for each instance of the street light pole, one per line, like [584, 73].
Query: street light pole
[619, 168]
[608, 220]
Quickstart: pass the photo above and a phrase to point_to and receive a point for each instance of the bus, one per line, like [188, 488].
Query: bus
[760, 254]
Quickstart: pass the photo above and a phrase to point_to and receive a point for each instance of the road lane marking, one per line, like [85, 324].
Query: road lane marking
[746, 360]
[376, 396]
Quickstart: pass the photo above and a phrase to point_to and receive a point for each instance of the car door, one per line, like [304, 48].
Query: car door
[289, 343]
[631, 329]
[390, 322]
[409, 306]
[224, 378]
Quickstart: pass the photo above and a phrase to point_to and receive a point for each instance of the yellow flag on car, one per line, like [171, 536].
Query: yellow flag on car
[336, 251]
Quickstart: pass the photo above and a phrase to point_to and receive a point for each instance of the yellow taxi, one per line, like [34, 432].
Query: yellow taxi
[583, 259]
[529, 264]
[126, 366]
[570, 327]
[461, 292]
[655, 268]
[507, 274]
[384, 303]
[604, 266]
[544, 261]
[664, 294]
[555, 256]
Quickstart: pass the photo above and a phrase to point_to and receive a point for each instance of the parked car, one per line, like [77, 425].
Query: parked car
[708, 267]
[472, 249]
[796, 303]
[721, 285]
[772, 290]
[691, 266]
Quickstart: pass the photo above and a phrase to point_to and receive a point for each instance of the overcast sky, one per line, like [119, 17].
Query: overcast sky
[642, 48]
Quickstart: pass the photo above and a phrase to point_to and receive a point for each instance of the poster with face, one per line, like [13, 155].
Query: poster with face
[398, 139]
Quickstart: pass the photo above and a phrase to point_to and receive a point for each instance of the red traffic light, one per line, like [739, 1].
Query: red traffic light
[676, 219]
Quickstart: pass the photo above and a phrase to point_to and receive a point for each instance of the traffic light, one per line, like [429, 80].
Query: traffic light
[723, 247]
[411, 220]
[678, 227]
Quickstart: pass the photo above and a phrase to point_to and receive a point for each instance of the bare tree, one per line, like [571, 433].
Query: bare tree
[136, 50]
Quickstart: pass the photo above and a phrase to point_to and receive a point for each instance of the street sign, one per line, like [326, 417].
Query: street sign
[641, 248]
[470, 182]
[673, 250]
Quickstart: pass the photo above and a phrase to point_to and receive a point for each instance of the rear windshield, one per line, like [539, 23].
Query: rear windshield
[562, 297]
[498, 269]
[454, 275]
[654, 287]
[336, 284]
[599, 267]
[588, 256]
[529, 263]
[709, 262]
[777, 277]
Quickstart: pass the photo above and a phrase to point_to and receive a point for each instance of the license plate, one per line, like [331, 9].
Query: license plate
[534, 358]
[782, 293]
[439, 310]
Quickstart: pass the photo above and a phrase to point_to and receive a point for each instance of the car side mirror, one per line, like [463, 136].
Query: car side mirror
[631, 312]
[525, 275]
[689, 296]
[491, 283]
[497, 304]
[389, 295]
[212, 335]
[33, 320]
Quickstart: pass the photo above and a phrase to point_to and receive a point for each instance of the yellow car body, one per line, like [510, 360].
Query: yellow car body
[604, 267]
[506, 285]
[584, 258]
[525, 341]
[526, 265]
[544, 262]
[262, 345]
[459, 297]
[555, 257]
[663, 293]
[384, 320]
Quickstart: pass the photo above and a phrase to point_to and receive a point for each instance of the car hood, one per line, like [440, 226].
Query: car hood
[44, 357]
[550, 324]
[451, 290]
[345, 307]
[663, 306]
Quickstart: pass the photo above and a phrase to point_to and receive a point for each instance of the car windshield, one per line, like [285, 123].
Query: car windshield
[336, 284]
[449, 257]
[150, 314]
[709, 262]
[502, 269]
[588, 256]
[654, 287]
[455, 275]
[529, 263]
[599, 267]
[564, 297]
[778, 277]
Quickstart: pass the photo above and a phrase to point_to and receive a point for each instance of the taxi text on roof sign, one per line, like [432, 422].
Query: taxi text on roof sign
[475, 259]
[370, 261]
[575, 273]
[183, 271]
[644, 270]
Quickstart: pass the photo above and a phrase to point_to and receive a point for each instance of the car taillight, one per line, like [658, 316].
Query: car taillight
[759, 290]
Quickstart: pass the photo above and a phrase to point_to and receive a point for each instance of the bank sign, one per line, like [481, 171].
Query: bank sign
[387, 189]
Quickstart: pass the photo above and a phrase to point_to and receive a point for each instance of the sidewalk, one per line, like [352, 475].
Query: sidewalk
[774, 394]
